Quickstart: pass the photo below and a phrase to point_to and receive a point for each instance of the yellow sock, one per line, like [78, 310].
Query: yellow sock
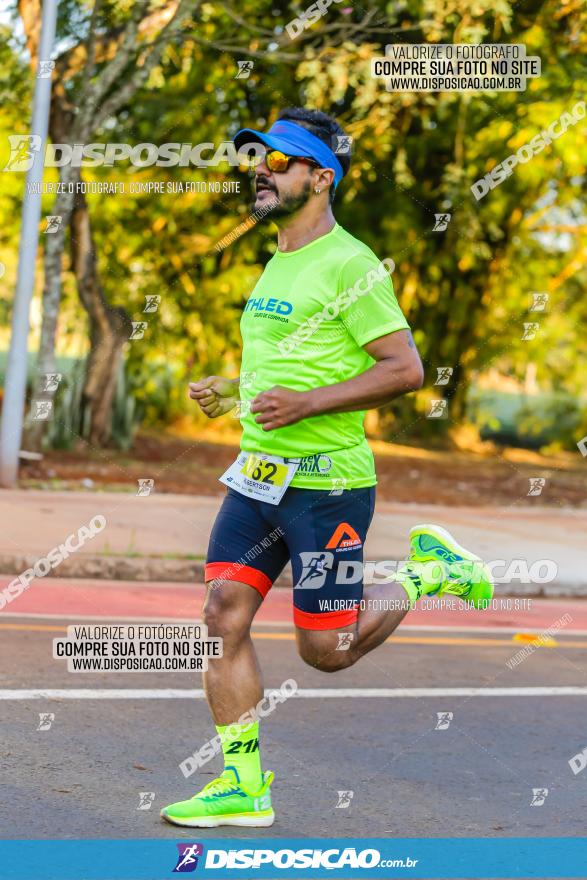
[240, 747]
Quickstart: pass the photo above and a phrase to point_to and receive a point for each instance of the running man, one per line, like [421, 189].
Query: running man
[324, 340]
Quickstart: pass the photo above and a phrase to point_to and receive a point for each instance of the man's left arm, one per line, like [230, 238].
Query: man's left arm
[397, 370]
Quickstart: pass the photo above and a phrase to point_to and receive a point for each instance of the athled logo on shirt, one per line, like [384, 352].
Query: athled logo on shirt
[268, 308]
[344, 538]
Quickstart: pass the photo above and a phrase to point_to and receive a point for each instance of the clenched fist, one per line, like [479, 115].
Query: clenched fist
[215, 395]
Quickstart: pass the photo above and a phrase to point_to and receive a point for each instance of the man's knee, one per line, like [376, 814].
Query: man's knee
[226, 612]
[321, 651]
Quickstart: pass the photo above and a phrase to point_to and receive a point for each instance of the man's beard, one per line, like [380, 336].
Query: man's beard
[287, 204]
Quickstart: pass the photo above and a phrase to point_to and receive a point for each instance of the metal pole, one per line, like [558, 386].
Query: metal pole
[16, 369]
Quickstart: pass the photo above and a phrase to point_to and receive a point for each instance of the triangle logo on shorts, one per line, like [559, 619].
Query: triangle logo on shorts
[343, 538]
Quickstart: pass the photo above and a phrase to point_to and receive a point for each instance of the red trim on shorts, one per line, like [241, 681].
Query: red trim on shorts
[236, 571]
[325, 620]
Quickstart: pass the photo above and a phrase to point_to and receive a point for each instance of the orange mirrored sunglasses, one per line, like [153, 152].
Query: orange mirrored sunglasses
[278, 161]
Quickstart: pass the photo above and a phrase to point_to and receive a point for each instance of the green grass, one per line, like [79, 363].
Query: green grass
[528, 421]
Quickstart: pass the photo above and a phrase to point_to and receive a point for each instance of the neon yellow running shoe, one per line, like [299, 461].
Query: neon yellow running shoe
[224, 801]
[466, 575]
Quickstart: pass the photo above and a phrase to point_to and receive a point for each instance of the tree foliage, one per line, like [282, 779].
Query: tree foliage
[466, 291]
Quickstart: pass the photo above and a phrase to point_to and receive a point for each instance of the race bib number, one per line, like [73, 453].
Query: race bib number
[261, 476]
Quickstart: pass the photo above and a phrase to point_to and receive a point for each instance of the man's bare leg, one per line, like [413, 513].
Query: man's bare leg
[233, 688]
[385, 606]
[233, 683]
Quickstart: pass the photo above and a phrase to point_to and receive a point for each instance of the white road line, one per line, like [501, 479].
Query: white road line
[308, 693]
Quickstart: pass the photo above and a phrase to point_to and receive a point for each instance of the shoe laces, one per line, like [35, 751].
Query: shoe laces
[460, 577]
[458, 589]
[432, 571]
[221, 785]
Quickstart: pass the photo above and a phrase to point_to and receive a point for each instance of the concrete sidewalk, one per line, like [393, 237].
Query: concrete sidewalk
[164, 537]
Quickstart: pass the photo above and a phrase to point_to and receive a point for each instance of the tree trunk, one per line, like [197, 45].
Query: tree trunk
[110, 328]
[54, 245]
[99, 96]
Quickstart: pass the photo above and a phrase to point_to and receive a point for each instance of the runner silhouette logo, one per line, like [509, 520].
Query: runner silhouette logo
[314, 569]
[187, 860]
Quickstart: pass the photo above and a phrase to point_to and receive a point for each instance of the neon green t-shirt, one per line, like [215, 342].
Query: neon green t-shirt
[303, 327]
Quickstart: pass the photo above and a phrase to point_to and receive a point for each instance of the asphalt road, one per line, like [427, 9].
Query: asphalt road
[83, 777]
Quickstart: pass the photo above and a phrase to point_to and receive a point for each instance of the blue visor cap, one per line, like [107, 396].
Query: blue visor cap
[293, 140]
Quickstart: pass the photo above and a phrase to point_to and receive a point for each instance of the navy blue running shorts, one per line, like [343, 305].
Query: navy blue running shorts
[322, 535]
